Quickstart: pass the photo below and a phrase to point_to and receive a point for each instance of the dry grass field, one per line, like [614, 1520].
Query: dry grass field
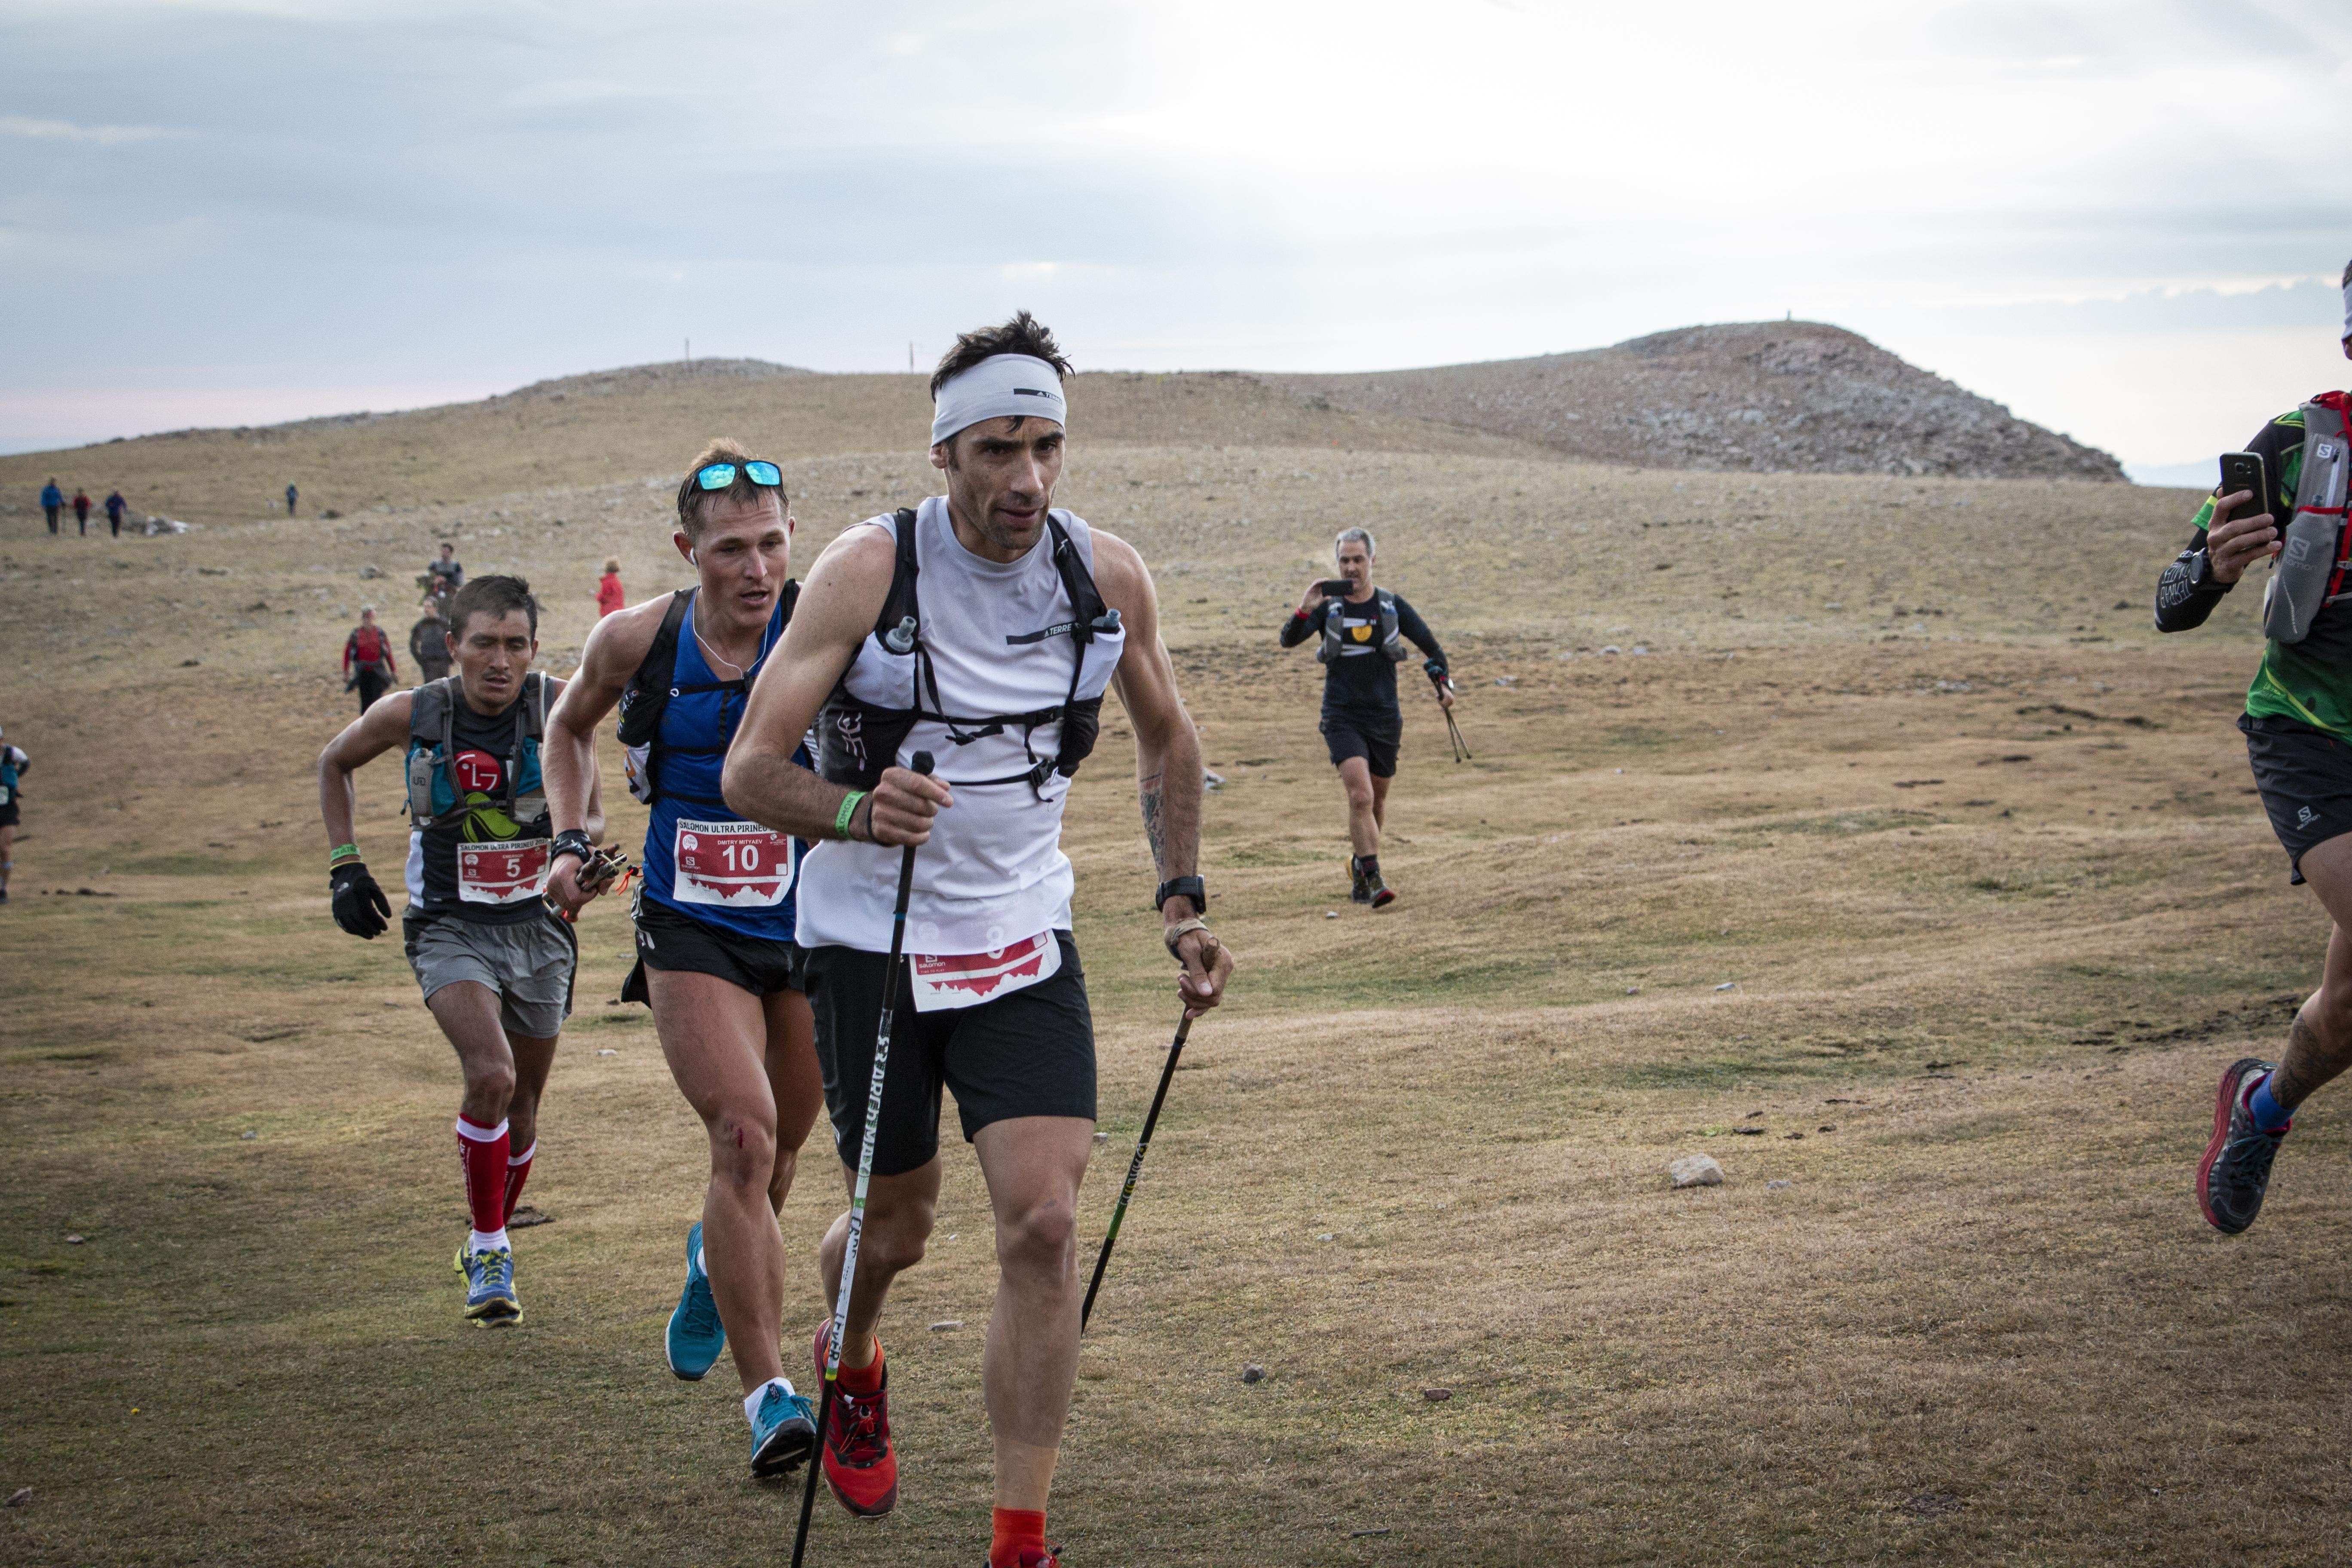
[1891, 860]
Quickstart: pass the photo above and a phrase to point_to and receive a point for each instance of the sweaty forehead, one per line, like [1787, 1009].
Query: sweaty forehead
[505, 628]
[731, 514]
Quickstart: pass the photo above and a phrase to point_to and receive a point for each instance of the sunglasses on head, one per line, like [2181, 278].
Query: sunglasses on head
[759, 471]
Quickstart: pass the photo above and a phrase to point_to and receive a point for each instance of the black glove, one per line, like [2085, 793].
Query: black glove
[358, 903]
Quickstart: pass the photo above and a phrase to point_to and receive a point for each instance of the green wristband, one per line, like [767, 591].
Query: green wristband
[341, 853]
[848, 809]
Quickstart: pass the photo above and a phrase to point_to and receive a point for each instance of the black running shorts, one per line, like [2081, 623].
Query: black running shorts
[2305, 778]
[1031, 1053]
[671, 939]
[8, 815]
[1375, 743]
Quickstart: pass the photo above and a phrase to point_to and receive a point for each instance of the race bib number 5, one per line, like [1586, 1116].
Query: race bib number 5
[505, 873]
[739, 864]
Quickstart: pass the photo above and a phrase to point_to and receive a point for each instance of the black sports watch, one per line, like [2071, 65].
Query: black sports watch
[575, 841]
[1191, 887]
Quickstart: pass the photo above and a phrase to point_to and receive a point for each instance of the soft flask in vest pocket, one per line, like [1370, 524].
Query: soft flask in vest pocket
[2298, 584]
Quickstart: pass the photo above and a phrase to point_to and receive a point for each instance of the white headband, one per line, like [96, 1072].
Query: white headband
[997, 386]
[2347, 310]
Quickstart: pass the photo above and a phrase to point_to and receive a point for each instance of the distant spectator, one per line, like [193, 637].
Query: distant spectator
[367, 660]
[428, 641]
[81, 509]
[448, 576]
[52, 498]
[289, 500]
[609, 596]
[115, 507]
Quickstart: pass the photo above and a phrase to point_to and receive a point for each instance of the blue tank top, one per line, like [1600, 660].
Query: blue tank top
[700, 858]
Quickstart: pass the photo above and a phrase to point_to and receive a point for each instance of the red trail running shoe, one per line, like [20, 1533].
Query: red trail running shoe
[858, 1465]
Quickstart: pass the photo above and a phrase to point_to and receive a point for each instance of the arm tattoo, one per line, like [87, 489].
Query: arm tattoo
[1154, 827]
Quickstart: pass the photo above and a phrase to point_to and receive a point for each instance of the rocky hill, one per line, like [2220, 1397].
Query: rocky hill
[1777, 396]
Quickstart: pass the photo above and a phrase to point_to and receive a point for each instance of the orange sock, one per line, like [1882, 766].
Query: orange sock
[1020, 1537]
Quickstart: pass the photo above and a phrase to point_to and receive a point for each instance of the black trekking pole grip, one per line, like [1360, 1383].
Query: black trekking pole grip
[923, 764]
[1134, 1170]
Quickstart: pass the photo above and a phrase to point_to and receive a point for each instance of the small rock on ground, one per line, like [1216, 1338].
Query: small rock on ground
[526, 1217]
[19, 1497]
[946, 1325]
[1253, 1373]
[1437, 1395]
[1696, 1171]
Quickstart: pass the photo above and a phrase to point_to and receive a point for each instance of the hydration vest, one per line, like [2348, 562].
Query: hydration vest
[432, 742]
[857, 739]
[646, 697]
[2315, 548]
[8, 764]
[1335, 641]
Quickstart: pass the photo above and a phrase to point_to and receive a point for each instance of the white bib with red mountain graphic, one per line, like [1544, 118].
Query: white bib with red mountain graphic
[741, 865]
[949, 980]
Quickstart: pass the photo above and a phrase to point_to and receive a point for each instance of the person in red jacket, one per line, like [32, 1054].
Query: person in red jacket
[81, 509]
[367, 660]
[609, 596]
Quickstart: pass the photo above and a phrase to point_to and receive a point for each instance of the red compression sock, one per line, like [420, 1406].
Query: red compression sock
[518, 1172]
[1020, 1538]
[483, 1152]
[866, 1379]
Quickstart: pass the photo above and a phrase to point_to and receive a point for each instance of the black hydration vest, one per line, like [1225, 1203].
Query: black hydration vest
[433, 745]
[856, 739]
[646, 697]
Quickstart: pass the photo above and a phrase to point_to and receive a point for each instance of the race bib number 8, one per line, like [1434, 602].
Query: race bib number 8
[504, 873]
[737, 865]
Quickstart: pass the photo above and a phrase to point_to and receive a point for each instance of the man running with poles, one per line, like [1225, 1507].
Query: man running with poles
[495, 963]
[1361, 631]
[2298, 730]
[716, 958]
[982, 628]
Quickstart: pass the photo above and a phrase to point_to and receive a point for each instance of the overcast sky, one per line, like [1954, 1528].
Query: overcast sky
[2125, 220]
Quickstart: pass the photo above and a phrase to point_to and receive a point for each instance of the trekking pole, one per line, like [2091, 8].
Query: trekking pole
[1438, 681]
[1134, 1170]
[865, 1178]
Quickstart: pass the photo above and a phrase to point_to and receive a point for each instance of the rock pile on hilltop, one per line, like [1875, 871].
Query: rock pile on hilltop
[644, 378]
[1773, 396]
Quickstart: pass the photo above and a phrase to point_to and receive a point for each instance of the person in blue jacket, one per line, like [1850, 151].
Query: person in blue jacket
[53, 502]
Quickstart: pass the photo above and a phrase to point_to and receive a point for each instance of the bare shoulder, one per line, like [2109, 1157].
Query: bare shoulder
[846, 586]
[619, 643]
[1120, 575]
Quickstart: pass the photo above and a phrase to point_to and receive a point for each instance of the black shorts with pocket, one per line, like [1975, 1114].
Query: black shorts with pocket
[671, 939]
[1028, 1053]
[2305, 776]
[1376, 743]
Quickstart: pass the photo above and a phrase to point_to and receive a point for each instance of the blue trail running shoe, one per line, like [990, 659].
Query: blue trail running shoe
[784, 1434]
[696, 1334]
[490, 1301]
[2237, 1168]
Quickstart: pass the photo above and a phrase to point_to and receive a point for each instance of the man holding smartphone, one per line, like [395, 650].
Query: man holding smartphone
[1364, 631]
[2298, 728]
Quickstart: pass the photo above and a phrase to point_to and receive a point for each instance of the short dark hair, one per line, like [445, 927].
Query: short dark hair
[2347, 275]
[692, 497]
[1023, 334]
[498, 596]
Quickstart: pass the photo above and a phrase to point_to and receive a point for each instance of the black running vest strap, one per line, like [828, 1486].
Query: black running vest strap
[646, 697]
[432, 733]
[1391, 641]
[881, 730]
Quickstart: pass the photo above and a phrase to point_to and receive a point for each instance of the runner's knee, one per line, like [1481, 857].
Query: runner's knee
[490, 1078]
[743, 1152]
[1040, 1239]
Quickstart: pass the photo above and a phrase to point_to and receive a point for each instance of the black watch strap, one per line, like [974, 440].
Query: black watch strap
[1191, 887]
[573, 842]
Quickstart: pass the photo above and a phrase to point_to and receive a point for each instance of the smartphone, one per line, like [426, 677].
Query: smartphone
[1335, 587]
[2246, 472]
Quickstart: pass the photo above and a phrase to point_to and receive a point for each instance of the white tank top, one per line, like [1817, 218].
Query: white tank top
[993, 872]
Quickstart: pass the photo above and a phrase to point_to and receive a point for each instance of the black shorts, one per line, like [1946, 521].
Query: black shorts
[1376, 743]
[8, 815]
[671, 939]
[1031, 1053]
[2305, 778]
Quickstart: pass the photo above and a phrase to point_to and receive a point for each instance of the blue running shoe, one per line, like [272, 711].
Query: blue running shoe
[696, 1334]
[784, 1434]
[490, 1301]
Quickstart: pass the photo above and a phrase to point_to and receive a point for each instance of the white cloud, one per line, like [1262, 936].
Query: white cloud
[66, 130]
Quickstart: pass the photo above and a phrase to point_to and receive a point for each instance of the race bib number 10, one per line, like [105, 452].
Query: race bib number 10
[739, 864]
[505, 873]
